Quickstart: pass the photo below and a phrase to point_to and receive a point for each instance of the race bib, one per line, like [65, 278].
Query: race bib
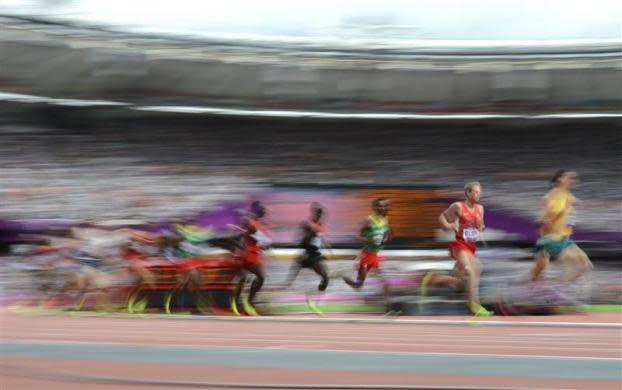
[378, 239]
[470, 234]
[316, 241]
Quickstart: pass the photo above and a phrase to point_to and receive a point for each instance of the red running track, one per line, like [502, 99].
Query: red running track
[397, 336]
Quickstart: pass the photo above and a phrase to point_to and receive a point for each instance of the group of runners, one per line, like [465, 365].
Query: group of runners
[465, 218]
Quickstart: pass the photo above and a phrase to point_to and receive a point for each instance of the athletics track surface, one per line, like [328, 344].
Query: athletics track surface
[140, 352]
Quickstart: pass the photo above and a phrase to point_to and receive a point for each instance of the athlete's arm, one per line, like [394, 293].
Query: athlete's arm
[315, 227]
[319, 230]
[448, 217]
[250, 226]
[364, 230]
[389, 235]
[480, 221]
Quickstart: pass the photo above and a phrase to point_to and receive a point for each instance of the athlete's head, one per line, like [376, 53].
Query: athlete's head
[316, 210]
[381, 206]
[473, 191]
[258, 209]
[563, 179]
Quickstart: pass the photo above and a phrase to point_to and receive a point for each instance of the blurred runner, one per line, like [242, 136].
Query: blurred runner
[466, 218]
[101, 268]
[255, 239]
[376, 232]
[555, 230]
[312, 240]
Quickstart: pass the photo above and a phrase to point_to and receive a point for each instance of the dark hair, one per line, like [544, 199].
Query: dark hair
[557, 176]
[378, 201]
[316, 206]
[257, 208]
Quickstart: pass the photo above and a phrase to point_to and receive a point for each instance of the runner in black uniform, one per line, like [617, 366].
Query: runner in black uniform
[312, 230]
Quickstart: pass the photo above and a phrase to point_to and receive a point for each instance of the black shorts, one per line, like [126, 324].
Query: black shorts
[309, 259]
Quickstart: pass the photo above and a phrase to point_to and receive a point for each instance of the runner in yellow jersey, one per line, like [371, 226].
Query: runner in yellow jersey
[555, 230]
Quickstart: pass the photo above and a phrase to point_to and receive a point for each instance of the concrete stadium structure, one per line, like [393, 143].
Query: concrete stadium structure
[64, 61]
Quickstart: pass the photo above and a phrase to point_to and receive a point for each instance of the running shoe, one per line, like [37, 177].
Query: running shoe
[479, 310]
[248, 308]
[423, 288]
[234, 305]
[313, 306]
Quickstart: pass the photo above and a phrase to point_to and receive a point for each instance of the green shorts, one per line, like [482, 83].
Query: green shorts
[551, 246]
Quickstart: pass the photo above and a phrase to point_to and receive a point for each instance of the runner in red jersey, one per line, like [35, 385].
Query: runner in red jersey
[255, 239]
[466, 218]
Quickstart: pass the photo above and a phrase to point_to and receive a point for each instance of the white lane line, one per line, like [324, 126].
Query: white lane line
[23, 98]
[380, 339]
[471, 321]
[603, 336]
[353, 115]
[385, 332]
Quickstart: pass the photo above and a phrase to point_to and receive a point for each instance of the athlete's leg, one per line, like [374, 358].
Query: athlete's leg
[471, 269]
[258, 282]
[72, 289]
[239, 286]
[316, 263]
[454, 280]
[87, 282]
[143, 275]
[101, 284]
[433, 278]
[320, 268]
[294, 270]
[541, 262]
[575, 263]
[360, 280]
[386, 289]
[467, 268]
[193, 280]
